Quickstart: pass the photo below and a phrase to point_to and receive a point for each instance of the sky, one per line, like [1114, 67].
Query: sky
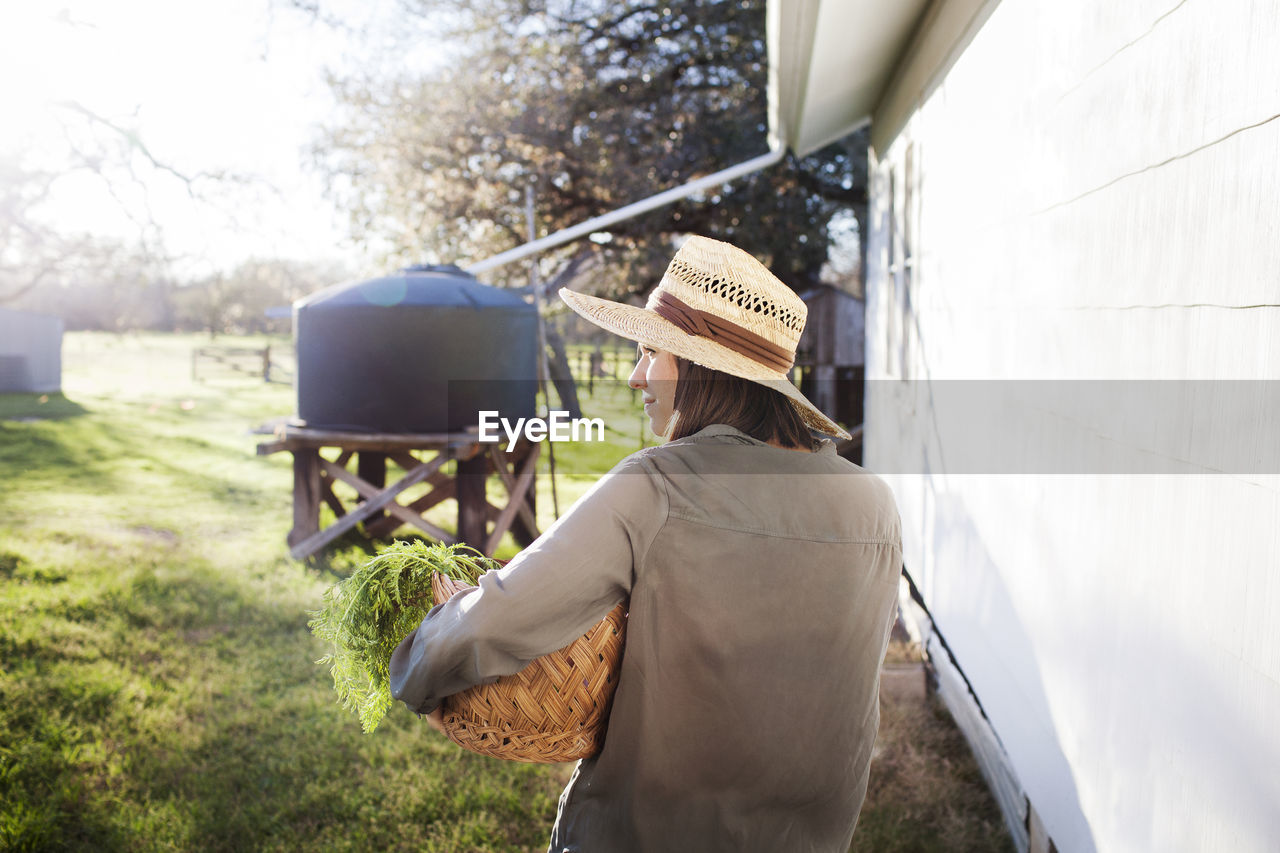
[235, 86]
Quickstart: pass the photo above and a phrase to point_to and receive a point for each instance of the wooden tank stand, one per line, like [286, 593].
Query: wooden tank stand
[423, 458]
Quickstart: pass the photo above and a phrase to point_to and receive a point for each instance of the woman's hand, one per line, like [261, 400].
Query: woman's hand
[436, 719]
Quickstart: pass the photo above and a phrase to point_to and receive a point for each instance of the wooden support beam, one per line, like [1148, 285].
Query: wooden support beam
[370, 493]
[371, 440]
[509, 482]
[306, 495]
[404, 459]
[371, 467]
[327, 495]
[525, 526]
[469, 452]
[471, 477]
[442, 492]
[515, 502]
[318, 540]
[443, 489]
[379, 511]
[326, 485]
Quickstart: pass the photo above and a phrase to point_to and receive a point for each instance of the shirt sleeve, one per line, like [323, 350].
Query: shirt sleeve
[545, 598]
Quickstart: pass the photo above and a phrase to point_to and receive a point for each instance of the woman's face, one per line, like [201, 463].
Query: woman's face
[655, 377]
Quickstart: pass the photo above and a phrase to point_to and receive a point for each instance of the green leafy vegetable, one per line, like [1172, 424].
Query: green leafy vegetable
[365, 617]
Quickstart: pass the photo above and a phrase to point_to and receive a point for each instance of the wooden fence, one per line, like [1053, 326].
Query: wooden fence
[228, 361]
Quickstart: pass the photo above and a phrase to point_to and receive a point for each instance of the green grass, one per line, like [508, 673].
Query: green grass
[157, 680]
[158, 685]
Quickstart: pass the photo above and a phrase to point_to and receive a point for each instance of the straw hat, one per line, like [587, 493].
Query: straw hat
[719, 307]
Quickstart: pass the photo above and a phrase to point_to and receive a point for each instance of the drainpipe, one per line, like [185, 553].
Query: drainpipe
[600, 223]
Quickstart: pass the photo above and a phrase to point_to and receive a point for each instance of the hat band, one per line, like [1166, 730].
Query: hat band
[707, 325]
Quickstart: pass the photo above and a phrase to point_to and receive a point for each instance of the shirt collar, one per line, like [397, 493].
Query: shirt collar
[821, 444]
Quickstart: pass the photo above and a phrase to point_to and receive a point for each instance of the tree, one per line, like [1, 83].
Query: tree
[32, 252]
[91, 281]
[100, 284]
[237, 301]
[595, 104]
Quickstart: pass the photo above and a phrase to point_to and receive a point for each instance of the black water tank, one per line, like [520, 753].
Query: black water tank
[422, 351]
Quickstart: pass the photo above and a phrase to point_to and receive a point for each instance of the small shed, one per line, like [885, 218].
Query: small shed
[831, 354]
[30, 352]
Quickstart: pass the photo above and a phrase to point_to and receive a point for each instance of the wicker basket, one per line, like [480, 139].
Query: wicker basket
[555, 709]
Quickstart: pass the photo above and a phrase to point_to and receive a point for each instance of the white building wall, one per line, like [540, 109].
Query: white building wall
[1091, 191]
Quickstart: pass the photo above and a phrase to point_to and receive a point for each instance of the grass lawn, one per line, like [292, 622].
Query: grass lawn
[158, 688]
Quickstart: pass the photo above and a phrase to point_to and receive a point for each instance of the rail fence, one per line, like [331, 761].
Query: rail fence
[222, 362]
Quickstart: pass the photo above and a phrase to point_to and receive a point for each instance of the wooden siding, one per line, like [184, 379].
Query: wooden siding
[1089, 192]
[833, 333]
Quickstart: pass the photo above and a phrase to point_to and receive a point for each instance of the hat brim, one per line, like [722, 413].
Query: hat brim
[646, 327]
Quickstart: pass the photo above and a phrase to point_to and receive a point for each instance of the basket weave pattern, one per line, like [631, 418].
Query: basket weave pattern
[555, 709]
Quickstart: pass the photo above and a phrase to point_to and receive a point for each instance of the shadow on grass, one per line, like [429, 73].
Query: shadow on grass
[270, 758]
[38, 407]
[189, 688]
[139, 456]
[72, 443]
[179, 709]
[343, 555]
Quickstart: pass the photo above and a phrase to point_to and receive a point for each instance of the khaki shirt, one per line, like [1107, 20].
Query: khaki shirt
[763, 585]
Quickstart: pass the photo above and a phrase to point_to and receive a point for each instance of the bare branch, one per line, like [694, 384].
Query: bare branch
[134, 141]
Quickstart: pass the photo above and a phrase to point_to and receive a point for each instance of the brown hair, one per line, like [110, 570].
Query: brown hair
[704, 396]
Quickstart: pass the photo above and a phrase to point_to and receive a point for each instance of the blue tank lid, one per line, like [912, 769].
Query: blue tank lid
[435, 286]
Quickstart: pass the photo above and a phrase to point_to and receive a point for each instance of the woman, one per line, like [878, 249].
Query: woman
[762, 572]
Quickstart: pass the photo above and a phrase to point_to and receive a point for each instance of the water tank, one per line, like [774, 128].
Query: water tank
[422, 351]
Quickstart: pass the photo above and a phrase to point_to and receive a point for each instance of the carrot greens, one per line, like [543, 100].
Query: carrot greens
[366, 615]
